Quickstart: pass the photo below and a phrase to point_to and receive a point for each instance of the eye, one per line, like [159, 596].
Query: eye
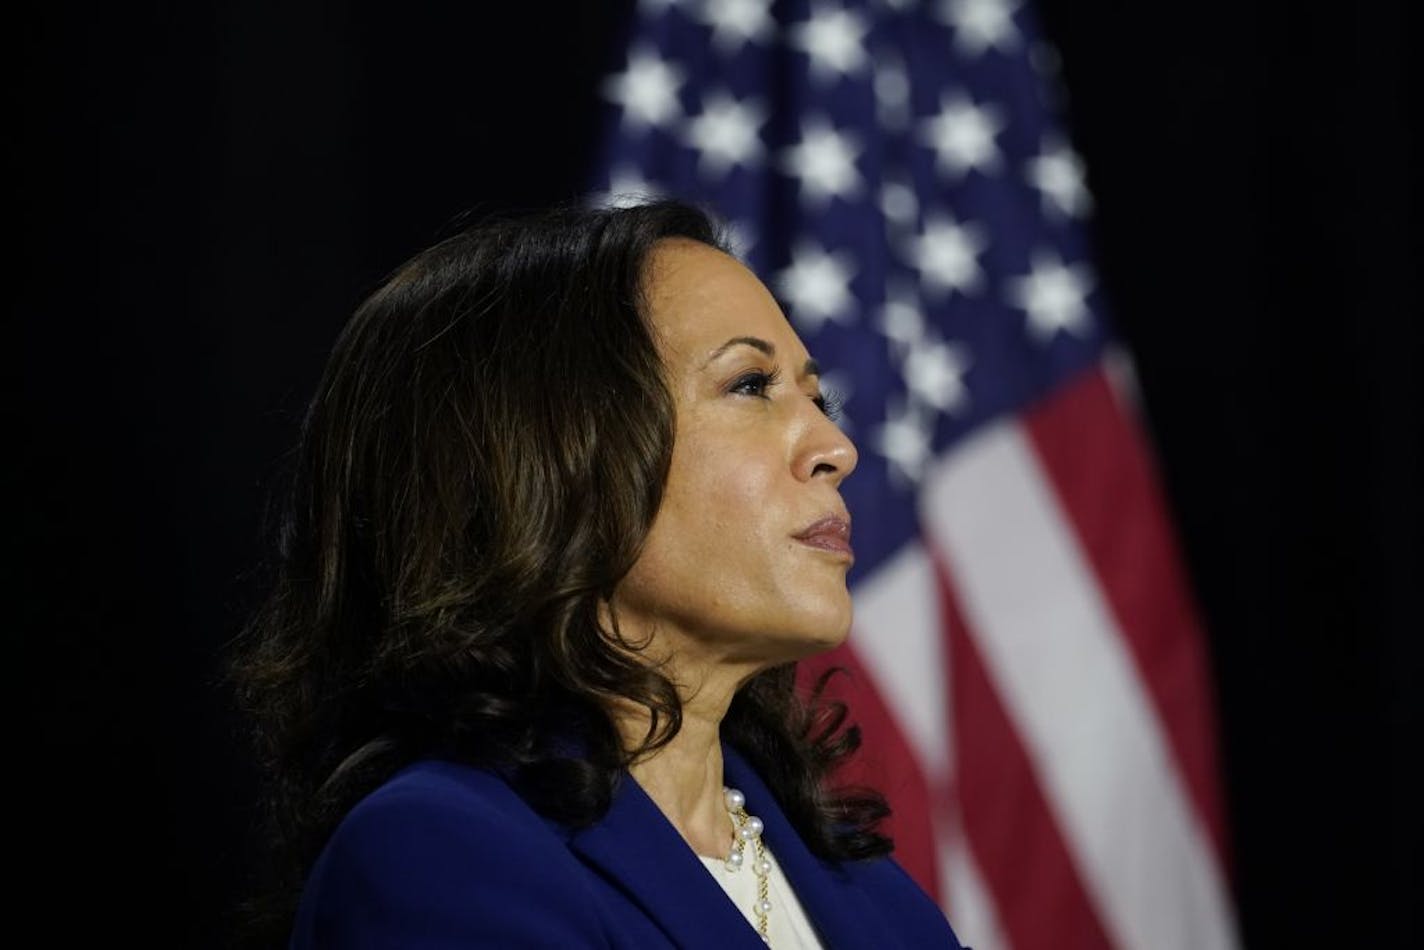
[755, 383]
[829, 402]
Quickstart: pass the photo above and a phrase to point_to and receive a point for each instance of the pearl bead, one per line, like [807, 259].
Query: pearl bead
[749, 830]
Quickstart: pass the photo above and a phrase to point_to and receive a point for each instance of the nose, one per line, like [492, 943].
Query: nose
[825, 452]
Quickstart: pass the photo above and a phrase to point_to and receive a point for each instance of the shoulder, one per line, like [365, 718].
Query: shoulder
[441, 813]
[444, 854]
[456, 798]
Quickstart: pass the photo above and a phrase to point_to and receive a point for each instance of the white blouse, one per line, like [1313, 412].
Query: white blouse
[786, 924]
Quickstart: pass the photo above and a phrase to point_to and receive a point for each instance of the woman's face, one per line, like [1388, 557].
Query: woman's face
[746, 561]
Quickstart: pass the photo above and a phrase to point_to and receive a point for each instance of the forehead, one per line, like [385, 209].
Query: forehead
[698, 298]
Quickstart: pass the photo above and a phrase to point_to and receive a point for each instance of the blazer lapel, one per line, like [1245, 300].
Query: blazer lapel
[843, 915]
[635, 845]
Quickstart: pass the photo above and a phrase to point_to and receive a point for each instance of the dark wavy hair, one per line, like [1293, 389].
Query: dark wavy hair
[477, 471]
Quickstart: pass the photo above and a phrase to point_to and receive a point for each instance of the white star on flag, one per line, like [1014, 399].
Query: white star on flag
[725, 134]
[1053, 295]
[737, 22]
[962, 135]
[823, 162]
[1058, 173]
[901, 320]
[892, 92]
[898, 202]
[646, 89]
[981, 24]
[904, 440]
[934, 373]
[834, 40]
[947, 254]
[817, 287]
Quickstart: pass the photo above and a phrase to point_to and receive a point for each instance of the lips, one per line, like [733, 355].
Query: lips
[831, 533]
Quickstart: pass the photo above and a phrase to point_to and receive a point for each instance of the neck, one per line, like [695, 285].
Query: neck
[684, 777]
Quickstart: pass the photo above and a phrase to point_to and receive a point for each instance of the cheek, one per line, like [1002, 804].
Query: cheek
[726, 501]
[714, 545]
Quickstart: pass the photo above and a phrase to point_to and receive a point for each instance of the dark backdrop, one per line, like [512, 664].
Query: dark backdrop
[206, 190]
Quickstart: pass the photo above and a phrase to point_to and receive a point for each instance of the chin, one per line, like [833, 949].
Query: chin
[826, 636]
[835, 640]
[803, 640]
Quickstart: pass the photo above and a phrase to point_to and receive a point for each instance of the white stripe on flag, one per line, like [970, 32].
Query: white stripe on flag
[967, 902]
[1052, 649]
[898, 639]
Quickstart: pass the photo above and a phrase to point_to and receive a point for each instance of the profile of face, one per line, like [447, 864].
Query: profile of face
[746, 561]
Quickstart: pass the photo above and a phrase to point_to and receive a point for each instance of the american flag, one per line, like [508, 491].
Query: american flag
[1028, 667]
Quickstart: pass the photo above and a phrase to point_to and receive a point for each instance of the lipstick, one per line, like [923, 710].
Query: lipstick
[831, 533]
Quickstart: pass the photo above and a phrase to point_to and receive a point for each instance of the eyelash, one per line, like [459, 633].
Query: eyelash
[756, 384]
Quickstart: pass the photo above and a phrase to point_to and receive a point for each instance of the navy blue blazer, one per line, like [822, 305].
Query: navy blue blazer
[445, 856]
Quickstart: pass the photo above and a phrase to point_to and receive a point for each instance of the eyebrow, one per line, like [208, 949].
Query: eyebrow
[812, 368]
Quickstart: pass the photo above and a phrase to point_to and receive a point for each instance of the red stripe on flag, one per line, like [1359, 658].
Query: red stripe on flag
[1100, 472]
[1037, 891]
[885, 762]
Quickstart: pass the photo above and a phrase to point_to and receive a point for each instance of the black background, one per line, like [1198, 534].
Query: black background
[205, 191]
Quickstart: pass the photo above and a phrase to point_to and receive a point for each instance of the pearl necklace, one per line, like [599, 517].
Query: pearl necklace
[749, 829]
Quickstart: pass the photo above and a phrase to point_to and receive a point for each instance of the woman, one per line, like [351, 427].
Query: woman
[566, 514]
